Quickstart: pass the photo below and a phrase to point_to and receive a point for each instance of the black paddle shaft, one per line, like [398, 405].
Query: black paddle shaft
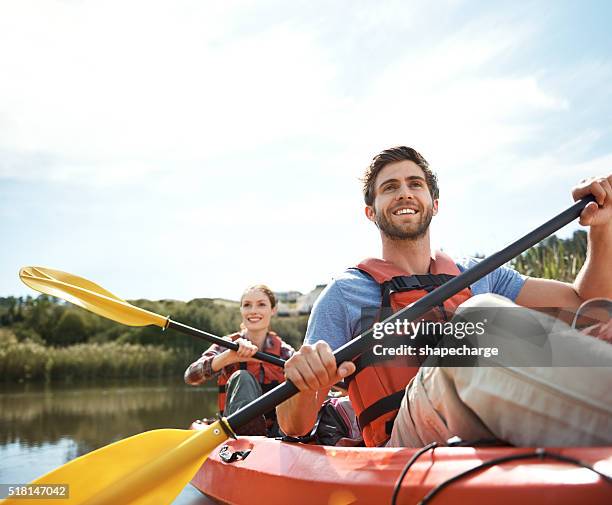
[365, 341]
[213, 339]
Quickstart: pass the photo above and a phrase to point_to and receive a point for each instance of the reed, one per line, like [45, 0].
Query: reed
[555, 258]
[25, 361]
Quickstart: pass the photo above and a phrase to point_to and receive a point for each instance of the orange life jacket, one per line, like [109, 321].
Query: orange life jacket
[268, 375]
[377, 387]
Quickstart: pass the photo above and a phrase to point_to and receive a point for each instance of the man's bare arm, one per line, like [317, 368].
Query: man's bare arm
[595, 277]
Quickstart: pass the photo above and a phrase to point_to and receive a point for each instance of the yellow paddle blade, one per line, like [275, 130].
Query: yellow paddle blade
[88, 295]
[151, 468]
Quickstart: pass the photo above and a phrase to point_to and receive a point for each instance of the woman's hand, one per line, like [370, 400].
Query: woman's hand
[246, 349]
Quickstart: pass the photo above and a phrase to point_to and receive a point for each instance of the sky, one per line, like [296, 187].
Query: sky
[190, 148]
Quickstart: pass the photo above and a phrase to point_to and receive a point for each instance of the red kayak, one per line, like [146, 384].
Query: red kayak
[263, 470]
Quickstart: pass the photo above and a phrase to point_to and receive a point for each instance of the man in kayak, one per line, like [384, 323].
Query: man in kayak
[410, 406]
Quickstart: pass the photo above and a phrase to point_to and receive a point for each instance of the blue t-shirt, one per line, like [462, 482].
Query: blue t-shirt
[337, 313]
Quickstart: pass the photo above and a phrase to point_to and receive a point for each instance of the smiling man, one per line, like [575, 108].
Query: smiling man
[401, 403]
[419, 211]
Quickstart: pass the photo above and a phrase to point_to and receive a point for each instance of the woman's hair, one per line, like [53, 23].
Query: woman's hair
[266, 290]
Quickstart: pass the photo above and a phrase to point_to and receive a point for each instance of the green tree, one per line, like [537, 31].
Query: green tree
[70, 329]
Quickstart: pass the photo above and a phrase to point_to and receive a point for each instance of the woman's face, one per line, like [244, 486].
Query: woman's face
[256, 310]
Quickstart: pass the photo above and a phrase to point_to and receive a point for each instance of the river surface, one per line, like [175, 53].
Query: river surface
[44, 426]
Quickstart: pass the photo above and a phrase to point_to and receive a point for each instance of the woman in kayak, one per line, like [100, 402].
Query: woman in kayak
[242, 379]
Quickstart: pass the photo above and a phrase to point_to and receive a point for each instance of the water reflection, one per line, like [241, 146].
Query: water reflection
[43, 426]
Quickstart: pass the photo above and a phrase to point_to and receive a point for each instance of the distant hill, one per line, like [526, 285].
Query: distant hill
[299, 304]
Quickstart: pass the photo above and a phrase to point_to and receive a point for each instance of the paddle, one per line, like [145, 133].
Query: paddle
[153, 467]
[96, 299]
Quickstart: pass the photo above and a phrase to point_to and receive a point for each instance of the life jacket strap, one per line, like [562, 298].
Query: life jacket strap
[382, 406]
[428, 282]
[404, 283]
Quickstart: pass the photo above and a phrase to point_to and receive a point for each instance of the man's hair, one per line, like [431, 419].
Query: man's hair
[399, 153]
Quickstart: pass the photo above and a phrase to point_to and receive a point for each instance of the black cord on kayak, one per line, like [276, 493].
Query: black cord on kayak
[451, 442]
[538, 453]
[411, 461]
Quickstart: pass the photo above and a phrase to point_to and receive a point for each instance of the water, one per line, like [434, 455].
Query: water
[44, 426]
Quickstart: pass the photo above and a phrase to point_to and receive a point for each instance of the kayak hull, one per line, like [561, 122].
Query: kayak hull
[281, 472]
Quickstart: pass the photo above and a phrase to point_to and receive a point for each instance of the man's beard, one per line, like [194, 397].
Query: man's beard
[395, 232]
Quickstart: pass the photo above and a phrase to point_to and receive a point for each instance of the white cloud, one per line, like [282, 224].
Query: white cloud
[96, 87]
[171, 133]
[161, 86]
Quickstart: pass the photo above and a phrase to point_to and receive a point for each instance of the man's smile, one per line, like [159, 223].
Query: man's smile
[404, 210]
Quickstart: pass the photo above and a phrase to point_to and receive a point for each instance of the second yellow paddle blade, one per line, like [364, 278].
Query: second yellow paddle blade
[88, 295]
[147, 469]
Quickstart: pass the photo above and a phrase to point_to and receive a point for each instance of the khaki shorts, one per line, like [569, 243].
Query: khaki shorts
[525, 406]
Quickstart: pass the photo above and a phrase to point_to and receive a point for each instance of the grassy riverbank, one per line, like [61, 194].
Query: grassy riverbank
[28, 360]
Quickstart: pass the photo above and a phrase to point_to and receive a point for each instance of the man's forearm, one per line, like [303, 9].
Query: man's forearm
[595, 277]
[298, 414]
